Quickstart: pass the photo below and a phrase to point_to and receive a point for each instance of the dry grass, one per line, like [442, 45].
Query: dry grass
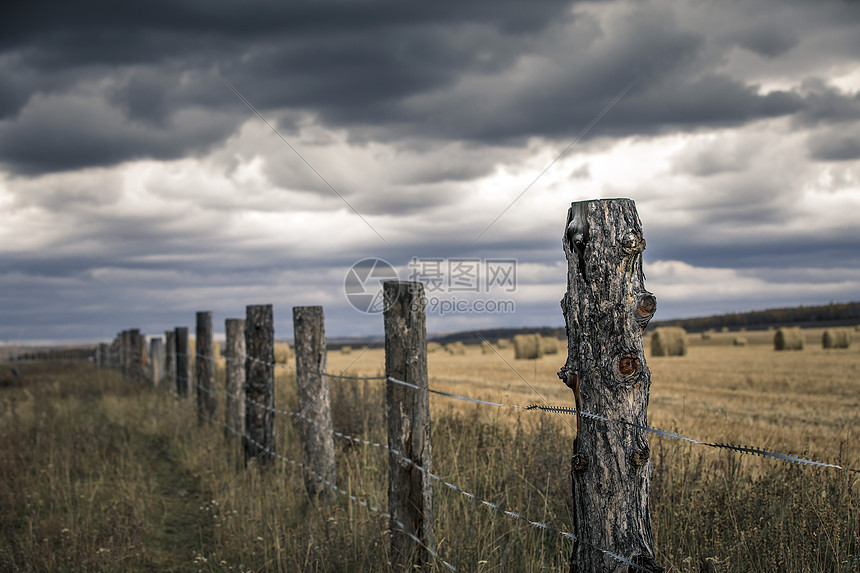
[102, 474]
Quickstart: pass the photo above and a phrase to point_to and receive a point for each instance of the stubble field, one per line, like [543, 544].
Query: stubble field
[99, 473]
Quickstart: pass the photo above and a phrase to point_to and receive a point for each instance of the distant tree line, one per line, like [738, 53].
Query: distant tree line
[833, 314]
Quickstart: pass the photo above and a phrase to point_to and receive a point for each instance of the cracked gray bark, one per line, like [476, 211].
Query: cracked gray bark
[234, 378]
[410, 496]
[259, 384]
[204, 372]
[170, 359]
[606, 309]
[315, 426]
[156, 361]
[183, 361]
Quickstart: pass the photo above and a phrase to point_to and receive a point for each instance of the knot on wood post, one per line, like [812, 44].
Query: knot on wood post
[641, 456]
[632, 242]
[577, 234]
[629, 365]
[578, 463]
[646, 306]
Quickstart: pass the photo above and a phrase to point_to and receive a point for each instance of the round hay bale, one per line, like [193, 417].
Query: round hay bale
[282, 353]
[528, 347]
[346, 349]
[506, 343]
[433, 347]
[549, 345]
[486, 347]
[724, 329]
[836, 338]
[455, 349]
[788, 339]
[669, 341]
[739, 341]
[218, 357]
[706, 335]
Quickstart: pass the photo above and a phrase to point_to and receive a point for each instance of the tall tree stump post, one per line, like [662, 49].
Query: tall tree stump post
[410, 496]
[135, 357]
[170, 360]
[156, 360]
[140, 354]
[606, 309]
[234, 379]
[204, 372]
[123, 353]
[259, 384]
[113, 357]
[183, 361]
[315, 426]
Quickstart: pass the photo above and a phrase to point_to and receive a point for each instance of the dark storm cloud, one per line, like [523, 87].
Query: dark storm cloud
[736, 138]
[836, 146]
[343, 61]
[819, 250]
[74, 132]
[825, 104]
[768, 41]
[385, 70]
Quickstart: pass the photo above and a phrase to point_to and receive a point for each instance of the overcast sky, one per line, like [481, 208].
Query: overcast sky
[137, 187]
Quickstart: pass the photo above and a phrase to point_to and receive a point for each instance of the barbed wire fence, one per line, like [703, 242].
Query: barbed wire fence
[292, 417]
[333, 377]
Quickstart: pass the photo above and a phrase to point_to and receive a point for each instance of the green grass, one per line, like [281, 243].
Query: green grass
[103, 474]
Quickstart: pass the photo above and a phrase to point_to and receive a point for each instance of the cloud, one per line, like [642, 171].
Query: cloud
[493, 74]
[64, 132]
[699, 291]
[136, 187]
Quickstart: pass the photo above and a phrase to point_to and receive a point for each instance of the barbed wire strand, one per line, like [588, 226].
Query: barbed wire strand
[728, 446]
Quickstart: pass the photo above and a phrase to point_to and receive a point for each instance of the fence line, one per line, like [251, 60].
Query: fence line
[742, 449]
[428, 473]
[335, 488]
[401, 458]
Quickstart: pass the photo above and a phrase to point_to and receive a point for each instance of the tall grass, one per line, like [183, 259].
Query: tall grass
[103, 474]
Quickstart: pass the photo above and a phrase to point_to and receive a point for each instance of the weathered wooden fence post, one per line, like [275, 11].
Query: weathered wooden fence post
[139, 341]
[204, 371]
[123, 353]
[606, 309]
[135, 364]
[156, 360]
[114, 354]
[234, 379]
[183, 361]
[315, 428]
[410, 496]
[170, 360]
[259, 384]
